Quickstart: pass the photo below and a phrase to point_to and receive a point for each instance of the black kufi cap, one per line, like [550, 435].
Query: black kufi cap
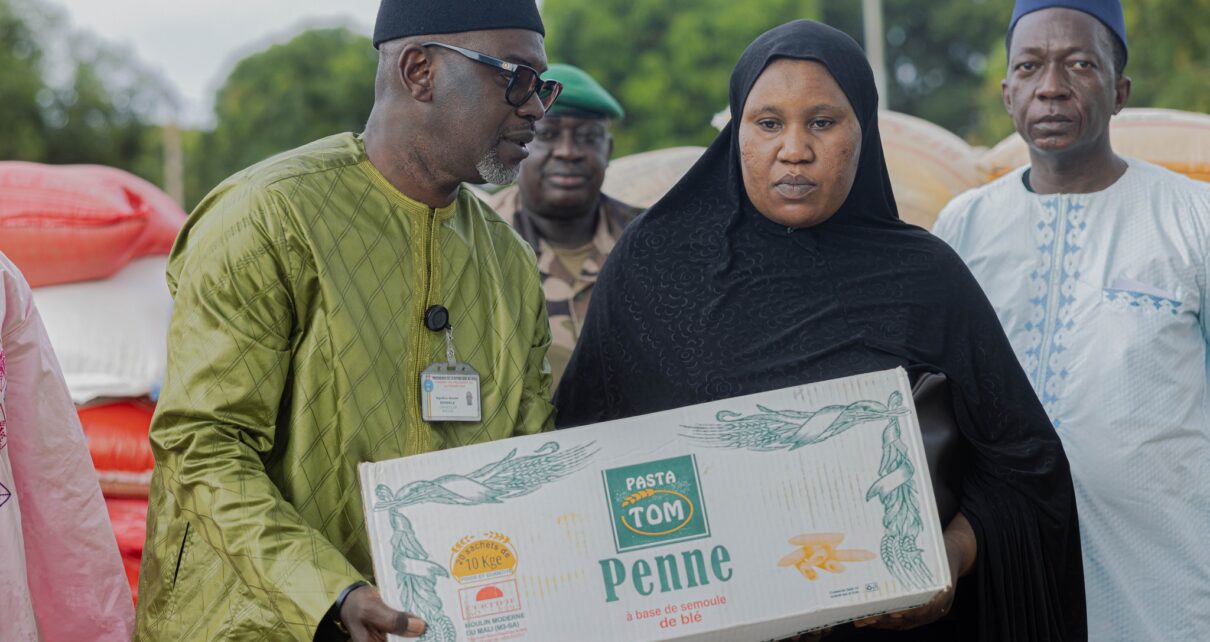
[403, 18]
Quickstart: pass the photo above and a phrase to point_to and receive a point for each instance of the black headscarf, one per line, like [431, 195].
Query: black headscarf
[704, 298]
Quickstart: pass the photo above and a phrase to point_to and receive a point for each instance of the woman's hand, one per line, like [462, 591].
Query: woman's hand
[961, 549]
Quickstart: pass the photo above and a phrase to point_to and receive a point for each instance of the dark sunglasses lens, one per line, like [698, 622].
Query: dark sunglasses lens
[549, 92]
[524, 82]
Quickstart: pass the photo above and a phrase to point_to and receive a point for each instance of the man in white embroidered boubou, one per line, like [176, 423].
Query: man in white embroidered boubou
[1097, 267]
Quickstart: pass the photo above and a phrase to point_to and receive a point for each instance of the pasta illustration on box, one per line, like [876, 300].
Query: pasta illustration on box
[675, 525]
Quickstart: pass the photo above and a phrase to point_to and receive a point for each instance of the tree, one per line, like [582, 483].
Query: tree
[20, 85]
[100, 106]
[936, 54]
[669, 62]
[108, 113]
[319, 83]
[1169, 60]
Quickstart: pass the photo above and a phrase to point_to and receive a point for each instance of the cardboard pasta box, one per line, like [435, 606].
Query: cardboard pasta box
[752, 518]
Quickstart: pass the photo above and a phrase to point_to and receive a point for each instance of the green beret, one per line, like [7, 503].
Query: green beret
[581, 93]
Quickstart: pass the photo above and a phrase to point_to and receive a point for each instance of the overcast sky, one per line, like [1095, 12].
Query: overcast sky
[195, 44]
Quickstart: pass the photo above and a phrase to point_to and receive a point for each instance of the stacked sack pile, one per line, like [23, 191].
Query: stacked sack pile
[92, 242]
[927, 164]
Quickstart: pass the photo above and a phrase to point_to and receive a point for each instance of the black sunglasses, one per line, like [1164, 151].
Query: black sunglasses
[523, 81]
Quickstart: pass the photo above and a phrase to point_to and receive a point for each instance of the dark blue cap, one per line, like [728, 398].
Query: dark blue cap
[1109, 12]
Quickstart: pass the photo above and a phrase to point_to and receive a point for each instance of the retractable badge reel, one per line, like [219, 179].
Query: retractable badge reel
[449, 391]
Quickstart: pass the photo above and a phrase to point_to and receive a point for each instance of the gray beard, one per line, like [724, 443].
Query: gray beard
[493, 170]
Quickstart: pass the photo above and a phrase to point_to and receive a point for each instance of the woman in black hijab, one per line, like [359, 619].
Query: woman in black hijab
[779, 260]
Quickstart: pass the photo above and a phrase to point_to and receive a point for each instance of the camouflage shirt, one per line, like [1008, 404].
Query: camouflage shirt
[567, 294]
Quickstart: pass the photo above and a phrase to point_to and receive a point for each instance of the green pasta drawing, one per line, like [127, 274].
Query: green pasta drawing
[780, 430]
[415, 575]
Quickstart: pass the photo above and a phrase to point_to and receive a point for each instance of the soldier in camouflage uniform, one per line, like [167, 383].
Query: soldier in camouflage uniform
[558, 206]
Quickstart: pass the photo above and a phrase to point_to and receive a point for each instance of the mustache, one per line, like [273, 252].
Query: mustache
[552, 169]
[513, 133]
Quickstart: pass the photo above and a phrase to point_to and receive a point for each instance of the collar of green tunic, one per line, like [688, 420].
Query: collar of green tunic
[406, 203]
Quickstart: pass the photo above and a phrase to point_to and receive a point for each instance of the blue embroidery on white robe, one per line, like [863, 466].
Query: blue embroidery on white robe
[1060, 236]
[1142, 300]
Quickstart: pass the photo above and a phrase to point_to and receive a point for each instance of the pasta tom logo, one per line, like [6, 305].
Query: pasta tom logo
[655, 503]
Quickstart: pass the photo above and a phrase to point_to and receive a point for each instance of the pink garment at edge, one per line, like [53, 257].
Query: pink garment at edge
[61, 575]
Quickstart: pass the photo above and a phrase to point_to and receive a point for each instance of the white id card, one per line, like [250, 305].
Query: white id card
[449, 392]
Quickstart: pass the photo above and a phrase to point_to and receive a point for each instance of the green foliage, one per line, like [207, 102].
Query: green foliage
[101, 110]
[936, 55]
[670, 62]
[105, 116]
[78, 100]
[317, 84]
[20, 83]
[1169, 60]
[667, 62]
[994, 122]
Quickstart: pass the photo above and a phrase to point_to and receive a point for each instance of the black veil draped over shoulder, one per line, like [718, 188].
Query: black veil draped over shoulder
[703, 298]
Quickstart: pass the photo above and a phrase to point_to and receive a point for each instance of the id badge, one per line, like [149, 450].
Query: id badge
[449, 392]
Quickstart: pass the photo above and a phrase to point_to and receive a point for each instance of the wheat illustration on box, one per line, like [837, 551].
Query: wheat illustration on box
[778, 430]
[511, 476]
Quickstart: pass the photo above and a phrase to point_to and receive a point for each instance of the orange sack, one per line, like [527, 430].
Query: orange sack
[129, 519]
[118, 442]
[68, 223]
